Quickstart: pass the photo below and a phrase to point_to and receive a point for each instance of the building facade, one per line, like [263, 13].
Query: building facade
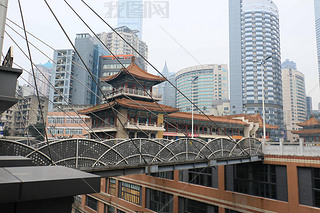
[254, 36]
[62, 71]
[294, 101]
[118, 47]
[27, 113]
[67, 125]
[42, 73]
[210, 82]
[286, 181]
[130, 14]
[90, 51]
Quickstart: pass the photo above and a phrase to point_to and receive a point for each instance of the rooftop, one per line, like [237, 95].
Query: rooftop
[136, 71]
[142, 105]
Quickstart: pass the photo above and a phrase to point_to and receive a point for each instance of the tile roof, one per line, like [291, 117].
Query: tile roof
[311, 122]
[143, 105]
[256, 118]
[137, 72]
[306, 131]
[200, 117]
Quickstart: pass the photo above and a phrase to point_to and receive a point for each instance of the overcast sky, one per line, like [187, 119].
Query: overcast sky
[200, 27]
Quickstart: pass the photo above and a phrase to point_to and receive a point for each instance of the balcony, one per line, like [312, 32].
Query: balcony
[132, 92]
[144, 126]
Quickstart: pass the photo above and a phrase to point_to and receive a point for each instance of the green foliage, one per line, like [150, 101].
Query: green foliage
[36, 129]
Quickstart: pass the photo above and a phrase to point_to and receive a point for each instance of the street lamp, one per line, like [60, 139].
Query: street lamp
[263, 62]
[192, 81]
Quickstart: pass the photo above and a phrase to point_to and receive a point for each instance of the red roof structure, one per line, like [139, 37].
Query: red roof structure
[137, 72]
[311, 122]
[124, 102]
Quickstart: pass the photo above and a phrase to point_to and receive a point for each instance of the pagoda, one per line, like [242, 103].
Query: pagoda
[130, 109]
[310, 131]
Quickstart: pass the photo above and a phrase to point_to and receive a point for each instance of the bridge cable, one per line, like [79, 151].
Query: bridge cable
[176, 125]
[34, 77]
[153, 66]
[47, 80]
[159, 72]
[88, 70]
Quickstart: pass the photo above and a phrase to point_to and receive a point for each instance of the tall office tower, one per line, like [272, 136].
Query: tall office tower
[42, 73]
[317, 23]
[254, 36]
[109, 65]
[294, 100]
[61, 78]
[130, 14]
[89, 51]
[309, 105]
[167, 91]
[206, 82]
[118, 47]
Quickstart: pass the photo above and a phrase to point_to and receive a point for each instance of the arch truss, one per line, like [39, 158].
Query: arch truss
[78, 153]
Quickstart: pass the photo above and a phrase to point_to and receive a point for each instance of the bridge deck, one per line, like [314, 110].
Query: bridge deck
[116, 157]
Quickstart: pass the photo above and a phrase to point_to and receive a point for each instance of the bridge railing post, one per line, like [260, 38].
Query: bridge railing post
[281, 145]
[77, 153]
[140, 148]
[221, 144]
[187, 148]
[301, 145]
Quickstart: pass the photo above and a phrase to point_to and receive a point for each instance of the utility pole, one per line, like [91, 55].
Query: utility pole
[3, 16]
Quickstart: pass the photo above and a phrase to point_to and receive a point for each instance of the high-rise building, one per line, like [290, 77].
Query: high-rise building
[166, 90]
[317, 23]
[89, 51]
[42, 73]
[206, 82]
[118, 47]
[61, 78]
[130, 14]
[309, 105]
[71, 78]
[254, 36]
[294, 100]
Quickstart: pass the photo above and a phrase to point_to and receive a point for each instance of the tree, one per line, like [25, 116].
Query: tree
[6, 131]
[36, 129]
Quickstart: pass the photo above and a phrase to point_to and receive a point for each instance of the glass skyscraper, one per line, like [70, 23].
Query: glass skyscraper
[210, 83]
[254, 35]
[130, 14]
[317, 19]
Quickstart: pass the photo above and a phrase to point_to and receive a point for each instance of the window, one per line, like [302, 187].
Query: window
[110, 209]
[256, 179]
[201, 176]
[159, 201]
[166, 175]
[316, 186]
[92, 203]
[112, 186]
[130, 192]
[195, 206]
